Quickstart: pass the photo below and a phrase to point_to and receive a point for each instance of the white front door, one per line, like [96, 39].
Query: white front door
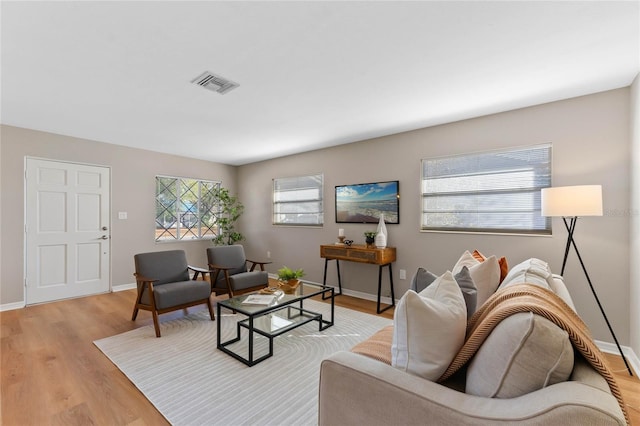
[67, 230]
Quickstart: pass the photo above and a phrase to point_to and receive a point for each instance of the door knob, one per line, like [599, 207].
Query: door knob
[104, 237]
[104, 228]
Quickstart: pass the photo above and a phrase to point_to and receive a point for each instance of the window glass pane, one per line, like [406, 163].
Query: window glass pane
[185, 209]
[487, 192]
[298, 200]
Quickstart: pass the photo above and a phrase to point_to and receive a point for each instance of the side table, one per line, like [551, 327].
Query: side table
[361, 254]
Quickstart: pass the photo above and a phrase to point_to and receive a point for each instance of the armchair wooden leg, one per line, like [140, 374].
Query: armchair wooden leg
[138, 300]
[226, 276]
[213, 317]
[156, 325]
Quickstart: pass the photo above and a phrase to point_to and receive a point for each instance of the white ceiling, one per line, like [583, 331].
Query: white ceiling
[311, 74]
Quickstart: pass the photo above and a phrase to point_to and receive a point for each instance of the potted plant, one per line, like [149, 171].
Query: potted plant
[289, 279]
[370, 237]
[230, 211]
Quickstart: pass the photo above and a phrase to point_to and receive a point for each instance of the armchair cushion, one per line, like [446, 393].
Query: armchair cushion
[179, 293]
[164, 267]
[248, 279]
[232, 260]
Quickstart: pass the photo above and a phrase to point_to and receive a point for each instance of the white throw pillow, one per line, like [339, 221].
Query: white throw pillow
[535, 270]
[485, 275]
[525, 352]
[429, 328]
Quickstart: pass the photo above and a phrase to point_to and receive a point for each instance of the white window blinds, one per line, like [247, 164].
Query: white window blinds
[497, 191]
[298, 200]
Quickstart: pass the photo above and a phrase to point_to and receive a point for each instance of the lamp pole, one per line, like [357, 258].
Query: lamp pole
[571, 226]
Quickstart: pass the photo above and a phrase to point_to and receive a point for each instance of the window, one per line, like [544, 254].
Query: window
[185, 209]
[298, 201]
[497, 191]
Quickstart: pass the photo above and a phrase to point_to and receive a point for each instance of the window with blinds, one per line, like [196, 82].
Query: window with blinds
[497, 191]
[298, 200]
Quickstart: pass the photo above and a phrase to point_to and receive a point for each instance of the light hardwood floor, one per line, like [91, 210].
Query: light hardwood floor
[52, 373]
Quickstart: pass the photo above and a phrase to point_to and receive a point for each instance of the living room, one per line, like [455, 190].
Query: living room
[595, 139]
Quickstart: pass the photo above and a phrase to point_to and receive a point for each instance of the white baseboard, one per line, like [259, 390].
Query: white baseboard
[629, 354]
[353, 293]
[123, 287]
[12, 306]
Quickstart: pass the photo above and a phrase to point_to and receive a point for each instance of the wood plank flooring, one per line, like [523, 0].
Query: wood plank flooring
[52, 373]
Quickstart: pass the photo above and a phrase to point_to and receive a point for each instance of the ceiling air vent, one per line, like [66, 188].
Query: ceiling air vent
[215, 83]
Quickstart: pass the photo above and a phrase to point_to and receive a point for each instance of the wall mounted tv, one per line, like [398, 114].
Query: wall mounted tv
[364, 202]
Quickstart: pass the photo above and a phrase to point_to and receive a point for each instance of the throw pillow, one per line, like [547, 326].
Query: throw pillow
[532, 271]
[524, 353]
[469, 290]
[429, 331]
[421, 279]
[485, 275]
[504, 266]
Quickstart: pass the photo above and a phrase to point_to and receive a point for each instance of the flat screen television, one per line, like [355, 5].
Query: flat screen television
[365, 202]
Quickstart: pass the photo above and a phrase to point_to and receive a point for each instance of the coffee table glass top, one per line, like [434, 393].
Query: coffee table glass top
[246, 304]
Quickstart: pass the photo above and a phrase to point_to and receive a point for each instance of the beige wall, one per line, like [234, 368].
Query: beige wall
[591, 144]
[590, 137]
[133, 174]
[634, 298]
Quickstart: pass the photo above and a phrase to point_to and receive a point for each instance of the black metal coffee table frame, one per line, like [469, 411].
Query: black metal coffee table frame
[294, 304]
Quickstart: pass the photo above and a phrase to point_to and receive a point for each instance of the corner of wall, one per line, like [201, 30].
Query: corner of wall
[634, 286]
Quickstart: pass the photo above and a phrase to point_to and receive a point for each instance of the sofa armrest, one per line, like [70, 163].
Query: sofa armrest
[356, 390]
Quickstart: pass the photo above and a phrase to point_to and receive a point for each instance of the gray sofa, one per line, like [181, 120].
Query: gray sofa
[356, 389]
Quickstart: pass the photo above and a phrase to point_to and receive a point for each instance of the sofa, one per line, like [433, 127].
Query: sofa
[525, 369]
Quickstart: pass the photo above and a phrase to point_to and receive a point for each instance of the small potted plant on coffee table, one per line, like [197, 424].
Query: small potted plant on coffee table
[289, 279]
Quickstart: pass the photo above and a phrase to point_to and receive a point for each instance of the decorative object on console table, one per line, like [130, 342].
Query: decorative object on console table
[381, 234]
[370, 238]
[341, 236]
[571, 202]
[361, 254]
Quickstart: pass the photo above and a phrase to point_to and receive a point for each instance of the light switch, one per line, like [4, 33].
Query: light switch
[122, 215]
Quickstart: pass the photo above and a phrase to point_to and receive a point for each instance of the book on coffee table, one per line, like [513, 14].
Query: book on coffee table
[259, 299]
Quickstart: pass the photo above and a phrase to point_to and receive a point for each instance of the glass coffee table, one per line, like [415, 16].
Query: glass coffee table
[270, 317]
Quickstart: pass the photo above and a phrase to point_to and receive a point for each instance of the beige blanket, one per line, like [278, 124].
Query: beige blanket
[540, 301]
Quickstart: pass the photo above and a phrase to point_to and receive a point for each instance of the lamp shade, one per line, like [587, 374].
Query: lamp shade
[580, 200]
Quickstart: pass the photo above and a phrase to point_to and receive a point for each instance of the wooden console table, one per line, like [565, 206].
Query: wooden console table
[361, 254]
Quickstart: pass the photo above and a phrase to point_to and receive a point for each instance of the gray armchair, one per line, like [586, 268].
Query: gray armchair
[164, 284]
[229, 273]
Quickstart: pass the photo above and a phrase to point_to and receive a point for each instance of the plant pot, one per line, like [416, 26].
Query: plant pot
[289, 287]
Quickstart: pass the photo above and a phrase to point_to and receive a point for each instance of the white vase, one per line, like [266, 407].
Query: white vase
[381, 241]
[381, 236]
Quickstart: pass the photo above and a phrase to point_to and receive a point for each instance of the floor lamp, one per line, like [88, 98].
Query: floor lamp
[571, 202]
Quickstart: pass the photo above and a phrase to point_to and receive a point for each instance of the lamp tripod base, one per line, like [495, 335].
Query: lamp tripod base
[571, 226]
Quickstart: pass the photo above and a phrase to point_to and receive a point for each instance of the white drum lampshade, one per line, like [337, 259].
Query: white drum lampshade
[580, 200]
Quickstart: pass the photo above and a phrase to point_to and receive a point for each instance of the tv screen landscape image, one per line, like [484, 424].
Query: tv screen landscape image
[365, 202]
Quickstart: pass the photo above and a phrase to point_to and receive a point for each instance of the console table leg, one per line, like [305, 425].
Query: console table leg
[324, 277]
[393, 299]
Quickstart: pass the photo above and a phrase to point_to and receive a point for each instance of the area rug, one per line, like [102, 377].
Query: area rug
[192, 383]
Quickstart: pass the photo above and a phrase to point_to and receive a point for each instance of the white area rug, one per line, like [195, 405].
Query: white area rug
[192, 383]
